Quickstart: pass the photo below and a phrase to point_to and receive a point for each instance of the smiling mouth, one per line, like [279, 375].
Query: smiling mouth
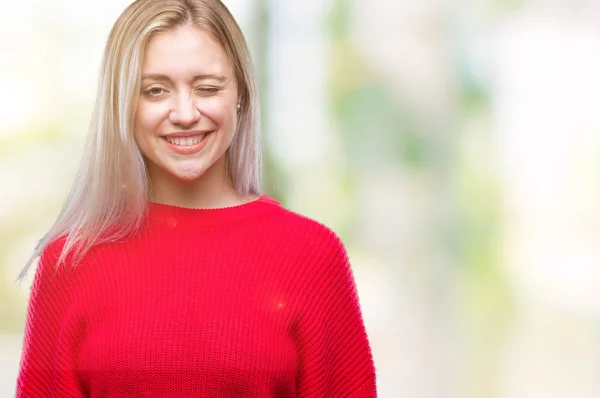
[186, 141]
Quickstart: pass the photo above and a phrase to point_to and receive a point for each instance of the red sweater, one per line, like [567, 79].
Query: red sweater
[246, 301]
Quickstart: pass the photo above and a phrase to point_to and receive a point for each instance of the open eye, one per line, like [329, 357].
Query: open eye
[154, 91]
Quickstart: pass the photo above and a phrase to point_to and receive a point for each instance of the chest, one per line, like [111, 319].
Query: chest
[204, 326]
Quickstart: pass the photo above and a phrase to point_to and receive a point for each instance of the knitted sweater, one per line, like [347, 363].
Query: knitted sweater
[245, 301]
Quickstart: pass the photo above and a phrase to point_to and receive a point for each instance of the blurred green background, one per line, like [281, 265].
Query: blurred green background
[453, 145]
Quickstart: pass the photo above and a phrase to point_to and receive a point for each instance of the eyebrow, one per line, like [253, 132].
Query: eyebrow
[159, 77]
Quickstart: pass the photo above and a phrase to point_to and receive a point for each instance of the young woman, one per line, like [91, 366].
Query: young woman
[168, 273]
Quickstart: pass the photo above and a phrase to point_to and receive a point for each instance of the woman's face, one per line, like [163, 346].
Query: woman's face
[187, 109]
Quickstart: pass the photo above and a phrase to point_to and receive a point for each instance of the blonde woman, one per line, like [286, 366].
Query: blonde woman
[168, 273]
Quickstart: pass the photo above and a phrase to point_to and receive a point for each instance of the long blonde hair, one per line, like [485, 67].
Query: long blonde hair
[110, 195]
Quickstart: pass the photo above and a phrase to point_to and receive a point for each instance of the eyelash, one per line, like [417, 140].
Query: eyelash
[210, 90]
[148, 91]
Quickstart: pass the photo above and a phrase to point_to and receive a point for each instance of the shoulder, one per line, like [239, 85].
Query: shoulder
[50, 281]
[47, 266]
[56, 264]
[319, 258]
[308, 234]
[302, 224]
[52, 251]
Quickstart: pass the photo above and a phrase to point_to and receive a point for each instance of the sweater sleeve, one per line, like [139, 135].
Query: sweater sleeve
[47, 366]
[335, 358]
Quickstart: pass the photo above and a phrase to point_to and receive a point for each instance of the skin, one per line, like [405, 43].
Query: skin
[188, 88]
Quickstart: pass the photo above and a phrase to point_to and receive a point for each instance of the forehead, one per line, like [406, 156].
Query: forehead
[184, 51]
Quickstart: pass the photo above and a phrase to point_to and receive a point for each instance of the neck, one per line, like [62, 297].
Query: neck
[213, 189]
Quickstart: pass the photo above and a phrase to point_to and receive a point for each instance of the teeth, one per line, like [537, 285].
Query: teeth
[189, 141]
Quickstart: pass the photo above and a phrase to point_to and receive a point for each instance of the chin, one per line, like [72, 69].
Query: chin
[191, 175]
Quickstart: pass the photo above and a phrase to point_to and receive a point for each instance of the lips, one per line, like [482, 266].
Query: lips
[185, 141]
[186, 144]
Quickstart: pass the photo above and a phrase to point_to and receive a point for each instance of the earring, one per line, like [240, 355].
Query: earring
[239, 106]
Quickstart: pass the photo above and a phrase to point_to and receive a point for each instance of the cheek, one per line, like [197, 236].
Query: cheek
[147, 119]
[213, 110]
[220, 110]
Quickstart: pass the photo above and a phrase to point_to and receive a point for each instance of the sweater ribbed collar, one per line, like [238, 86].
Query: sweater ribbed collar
[174, 216]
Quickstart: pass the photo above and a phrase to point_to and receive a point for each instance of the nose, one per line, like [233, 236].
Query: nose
[184, 111]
